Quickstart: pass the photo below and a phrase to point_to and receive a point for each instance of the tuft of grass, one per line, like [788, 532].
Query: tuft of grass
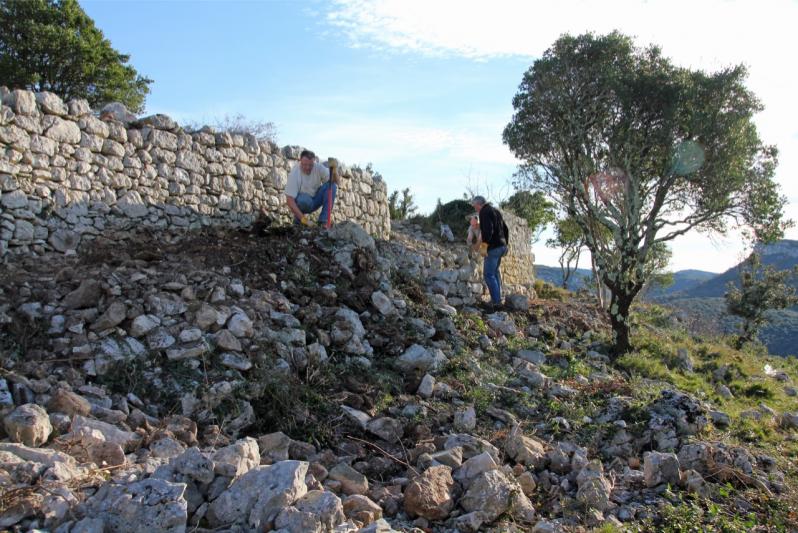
[547, 291]
[643, 365]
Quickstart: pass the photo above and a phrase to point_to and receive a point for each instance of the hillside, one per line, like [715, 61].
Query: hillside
[553, 275]
[782, 255]
[708, 316]
[298, 380]
[704, 303]
[684, 282]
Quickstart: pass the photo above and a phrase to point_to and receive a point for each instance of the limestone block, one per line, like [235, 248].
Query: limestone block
[51, 103]
[21, 101]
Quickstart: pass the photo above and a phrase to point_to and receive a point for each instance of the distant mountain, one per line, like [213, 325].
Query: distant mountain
[683, 281]
[707, 316]
[698, 297]
[553, 275]
[781, 255]
[703, 305]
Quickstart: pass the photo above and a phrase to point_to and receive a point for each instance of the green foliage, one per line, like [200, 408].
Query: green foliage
[643, 365]
[761, 289]
[454, 214]
[547, 291]
[533, 207]
[758, 390]
[568, 237]
[401, 208]
[52, 45]
[694, 515]
[635, 148]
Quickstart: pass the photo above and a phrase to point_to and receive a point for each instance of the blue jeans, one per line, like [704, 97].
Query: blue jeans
[308, 204]
[490, 270]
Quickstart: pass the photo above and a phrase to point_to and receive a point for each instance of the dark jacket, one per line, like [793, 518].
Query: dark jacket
[492, 226]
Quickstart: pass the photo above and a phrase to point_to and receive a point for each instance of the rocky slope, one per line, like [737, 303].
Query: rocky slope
[301, 380]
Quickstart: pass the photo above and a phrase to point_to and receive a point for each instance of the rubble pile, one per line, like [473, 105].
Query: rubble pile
[303, 380]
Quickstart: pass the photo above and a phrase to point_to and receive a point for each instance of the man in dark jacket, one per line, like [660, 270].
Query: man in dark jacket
[493, 248]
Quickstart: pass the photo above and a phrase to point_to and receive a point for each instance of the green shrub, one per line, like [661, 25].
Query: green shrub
[547, 291]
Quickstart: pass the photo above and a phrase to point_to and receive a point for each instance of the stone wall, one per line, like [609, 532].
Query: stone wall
[455, 271]
[66, 175]
[518, 265]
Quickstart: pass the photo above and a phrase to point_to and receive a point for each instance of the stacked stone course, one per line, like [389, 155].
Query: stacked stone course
[66, 175]
[454, 271]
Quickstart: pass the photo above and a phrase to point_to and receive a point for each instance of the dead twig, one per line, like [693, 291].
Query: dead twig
[386, 454]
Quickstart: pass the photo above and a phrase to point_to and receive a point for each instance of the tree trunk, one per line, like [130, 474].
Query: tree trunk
[597, 278]
[620, 304]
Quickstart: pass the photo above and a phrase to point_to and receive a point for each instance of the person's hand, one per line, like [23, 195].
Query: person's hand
[483, 249]
[306, 221]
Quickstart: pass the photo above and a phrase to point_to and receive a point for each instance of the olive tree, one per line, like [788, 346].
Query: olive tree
[53, 45]
[568, 237]
[762, 289]
[631, 145]
[534, 208]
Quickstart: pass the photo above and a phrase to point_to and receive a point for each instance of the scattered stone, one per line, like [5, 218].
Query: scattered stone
[256, 498]
[661, 468]
[720, 419]
[324, 505]
[419, 359]
[66, 401]
[452, 458]
[465, 419]
[143, 324]
[194, 464]
[362, 509]
[528, 483]
[240, 325]
[525, 450]
[275, 446]
[431, 494]
[386, 428]
[492, 494]
[517, 302]
[535, 357]
[126, 439]
[358, 417]
[28, 424]
[789, 420]
[383, 304]
[225, 340]
[471, 445]
[113, 316]
[594, 489]
[147, 505]
[474, 466]
[87, 295]
[724, 391]
[352, 481]
[427, 386]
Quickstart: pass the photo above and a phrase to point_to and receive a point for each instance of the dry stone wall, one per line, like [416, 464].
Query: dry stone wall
[453, 270]
[518, 265]
[67, 175]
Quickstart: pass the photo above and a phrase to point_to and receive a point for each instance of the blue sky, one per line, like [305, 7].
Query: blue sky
[423, 89]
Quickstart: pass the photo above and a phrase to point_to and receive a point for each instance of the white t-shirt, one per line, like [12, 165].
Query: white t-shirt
[299, 182]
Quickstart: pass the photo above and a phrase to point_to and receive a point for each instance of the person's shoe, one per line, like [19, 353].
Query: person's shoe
[488, 307]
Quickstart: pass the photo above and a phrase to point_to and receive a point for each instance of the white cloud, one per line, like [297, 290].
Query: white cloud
[709, 35]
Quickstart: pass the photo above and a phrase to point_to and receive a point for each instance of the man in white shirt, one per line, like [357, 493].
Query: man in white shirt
[307, 189]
